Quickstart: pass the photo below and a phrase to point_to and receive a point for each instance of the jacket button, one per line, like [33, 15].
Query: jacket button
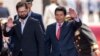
[78, 45]
[60, 49]
[79, 50]
[77, 33]
[79, 38]
[76, 41]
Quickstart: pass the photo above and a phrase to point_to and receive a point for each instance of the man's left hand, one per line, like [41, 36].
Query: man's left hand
[72, 13]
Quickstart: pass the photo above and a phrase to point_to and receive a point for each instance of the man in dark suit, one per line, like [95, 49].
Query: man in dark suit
[33, 14]
[59, 39]
[27, 32]
[0, 37]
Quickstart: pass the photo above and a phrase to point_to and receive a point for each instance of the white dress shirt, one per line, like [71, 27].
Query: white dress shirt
[23, 23]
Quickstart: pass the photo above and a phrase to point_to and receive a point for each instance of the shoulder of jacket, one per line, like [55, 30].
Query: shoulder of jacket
[33, 19]
[51, 25]
[37, 14]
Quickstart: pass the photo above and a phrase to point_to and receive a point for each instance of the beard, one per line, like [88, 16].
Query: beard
[23, 16]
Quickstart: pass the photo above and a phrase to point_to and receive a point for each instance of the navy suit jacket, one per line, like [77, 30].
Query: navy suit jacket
[36, 16]
[65, 46]
[31, 41]
[0, 38]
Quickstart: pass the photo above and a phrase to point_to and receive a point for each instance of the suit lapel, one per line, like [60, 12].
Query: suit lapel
[54, 31]
[26, 25]
[18, 28]
[64, 30]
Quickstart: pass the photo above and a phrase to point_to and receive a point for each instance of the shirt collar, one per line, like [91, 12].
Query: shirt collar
[60, 23]
[24, 21]
[29, 14]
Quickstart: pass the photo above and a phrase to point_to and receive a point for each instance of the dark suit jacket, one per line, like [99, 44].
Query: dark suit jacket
[36, 16]
[31, 41]
[0, 38]
[65, 46]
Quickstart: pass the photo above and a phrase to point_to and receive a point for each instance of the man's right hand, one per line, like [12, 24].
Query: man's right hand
[10, 23]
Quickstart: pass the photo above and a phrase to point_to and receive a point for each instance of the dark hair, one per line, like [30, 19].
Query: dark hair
[21, 4]
[61, 9]
[29, 0]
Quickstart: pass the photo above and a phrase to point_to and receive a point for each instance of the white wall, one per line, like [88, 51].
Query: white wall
[37, 6]
[11, 5]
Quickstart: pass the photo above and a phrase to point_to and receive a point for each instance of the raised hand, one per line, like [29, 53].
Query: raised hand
[10, 23]
[72, 13]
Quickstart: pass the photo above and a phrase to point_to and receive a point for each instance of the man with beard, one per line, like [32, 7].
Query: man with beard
[33, 14]
[27, 32]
